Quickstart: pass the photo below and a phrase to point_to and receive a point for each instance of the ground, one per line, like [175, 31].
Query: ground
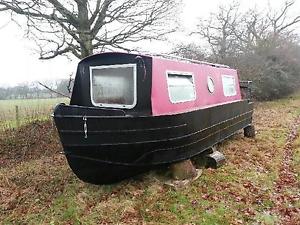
[259, 184]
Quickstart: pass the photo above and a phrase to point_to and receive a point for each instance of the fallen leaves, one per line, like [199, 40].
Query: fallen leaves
[287, 179]
[258, 184]
[32, 141]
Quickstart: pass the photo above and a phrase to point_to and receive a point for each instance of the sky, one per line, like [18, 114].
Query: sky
[19, 59]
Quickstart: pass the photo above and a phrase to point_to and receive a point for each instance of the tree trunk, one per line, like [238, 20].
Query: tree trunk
[86, 45]
[183, 170]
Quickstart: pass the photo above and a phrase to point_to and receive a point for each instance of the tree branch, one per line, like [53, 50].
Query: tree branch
[50, 89]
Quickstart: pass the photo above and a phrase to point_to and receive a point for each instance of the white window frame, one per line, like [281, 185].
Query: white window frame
[181, 73]
[234, 82]
[120, 106]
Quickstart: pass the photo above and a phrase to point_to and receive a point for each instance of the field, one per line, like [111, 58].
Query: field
[29, 110]
[259, 184]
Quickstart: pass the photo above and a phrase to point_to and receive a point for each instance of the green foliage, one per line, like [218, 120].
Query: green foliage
[272, 64]
[273, 67]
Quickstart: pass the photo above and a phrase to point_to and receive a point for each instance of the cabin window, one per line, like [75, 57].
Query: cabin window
[181, 87]
[210, 85]
[114, 86]
[228, 85]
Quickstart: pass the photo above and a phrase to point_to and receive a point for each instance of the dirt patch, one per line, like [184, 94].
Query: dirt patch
[32, 141]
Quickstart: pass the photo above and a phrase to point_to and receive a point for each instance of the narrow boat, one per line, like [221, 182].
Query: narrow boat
[130, 113]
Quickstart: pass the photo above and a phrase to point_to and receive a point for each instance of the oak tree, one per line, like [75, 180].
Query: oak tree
[80, 27]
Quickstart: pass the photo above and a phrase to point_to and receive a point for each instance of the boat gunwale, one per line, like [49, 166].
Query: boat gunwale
[164, 140]
[126, 115]
[136, 164]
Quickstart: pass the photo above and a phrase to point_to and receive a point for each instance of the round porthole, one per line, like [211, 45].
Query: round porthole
[210, 85]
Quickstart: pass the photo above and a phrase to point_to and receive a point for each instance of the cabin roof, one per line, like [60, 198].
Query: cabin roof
[160, 56]
[187, 60]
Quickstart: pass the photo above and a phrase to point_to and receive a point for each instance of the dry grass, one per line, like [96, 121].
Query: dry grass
[43, 190]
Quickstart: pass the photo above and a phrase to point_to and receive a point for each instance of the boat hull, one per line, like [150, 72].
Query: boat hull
[106, 146]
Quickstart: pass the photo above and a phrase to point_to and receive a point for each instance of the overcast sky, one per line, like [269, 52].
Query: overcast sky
[19, 61]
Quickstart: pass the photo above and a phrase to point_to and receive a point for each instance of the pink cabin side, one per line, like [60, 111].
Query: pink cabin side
[160, 96]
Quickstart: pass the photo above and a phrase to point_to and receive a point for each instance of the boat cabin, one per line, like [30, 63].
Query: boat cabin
[152, 85]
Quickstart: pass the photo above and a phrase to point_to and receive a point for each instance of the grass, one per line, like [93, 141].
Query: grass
[29, 110]
[44, 190]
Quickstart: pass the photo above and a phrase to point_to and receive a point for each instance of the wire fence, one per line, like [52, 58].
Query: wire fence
[15, 113]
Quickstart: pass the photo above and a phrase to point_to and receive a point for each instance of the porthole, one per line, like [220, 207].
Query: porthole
[210, 85]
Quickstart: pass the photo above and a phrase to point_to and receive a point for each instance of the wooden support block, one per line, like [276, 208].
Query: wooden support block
[183, 170]
[249, 131]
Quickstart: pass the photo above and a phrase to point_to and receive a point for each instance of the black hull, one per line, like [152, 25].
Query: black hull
[116, 146]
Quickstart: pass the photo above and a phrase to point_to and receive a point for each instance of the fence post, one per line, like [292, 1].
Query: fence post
[17, 116]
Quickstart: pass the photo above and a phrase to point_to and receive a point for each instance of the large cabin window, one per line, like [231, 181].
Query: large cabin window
[114, 86]
[181, 87]
[228, 85]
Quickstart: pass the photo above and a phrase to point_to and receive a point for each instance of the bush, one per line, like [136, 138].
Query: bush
[272, 64]
[273, 67]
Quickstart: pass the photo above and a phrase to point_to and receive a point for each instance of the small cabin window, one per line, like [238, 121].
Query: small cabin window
[210, 85]
[114, 86]
[181, 87]
[228, 85]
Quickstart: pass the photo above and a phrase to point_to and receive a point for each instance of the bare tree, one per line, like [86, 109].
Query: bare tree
[250, 28]
[217, 31]
[257, 26]
[230, 32]
[263, 45]
[80, 27]
[280, 21]
[190, 51]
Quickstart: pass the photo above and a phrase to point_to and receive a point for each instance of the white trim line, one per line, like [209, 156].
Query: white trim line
[119, 106]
